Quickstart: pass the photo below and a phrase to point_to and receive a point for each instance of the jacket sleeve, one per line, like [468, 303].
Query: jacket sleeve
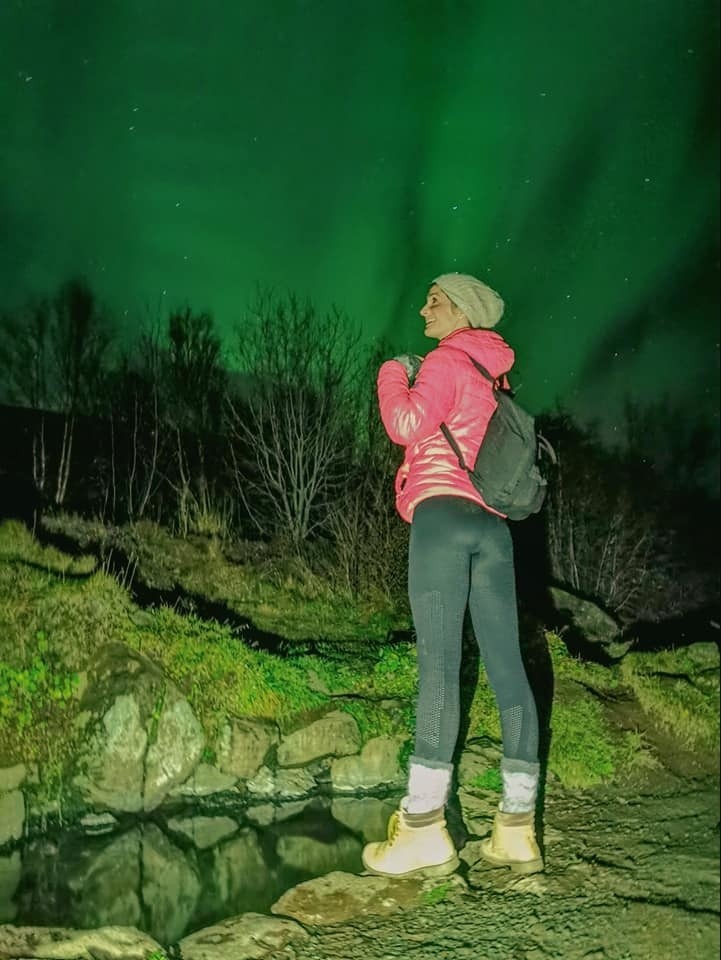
[411, 413]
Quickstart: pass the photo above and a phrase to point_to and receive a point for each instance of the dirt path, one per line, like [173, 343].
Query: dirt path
[632, 877]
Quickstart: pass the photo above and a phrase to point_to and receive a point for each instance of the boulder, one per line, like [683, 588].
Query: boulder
[171, 885]
[334, 735]
[587, 625]
[250, 936]
[57, 943]
[204, 832]
[10, 872]
[12, 778]
[310, 855]
[479, 766]
[174, 751]
[12, 816]
[106, 883]
[110, 761]
[338, 897]
[140, 738]
[97, 823]
[204, 781]
[263, 814]
[367, 817]
[281, 784]
[243, 746]
[376, 765]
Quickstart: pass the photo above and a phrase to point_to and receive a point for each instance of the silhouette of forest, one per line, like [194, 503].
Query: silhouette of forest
[275, 437]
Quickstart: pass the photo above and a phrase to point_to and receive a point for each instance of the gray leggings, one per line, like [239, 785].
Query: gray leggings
[461, 555]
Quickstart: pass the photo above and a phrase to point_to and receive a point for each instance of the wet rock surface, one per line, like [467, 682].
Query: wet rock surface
[629, 876]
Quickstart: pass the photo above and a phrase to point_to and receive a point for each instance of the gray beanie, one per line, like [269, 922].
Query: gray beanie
[481, 305]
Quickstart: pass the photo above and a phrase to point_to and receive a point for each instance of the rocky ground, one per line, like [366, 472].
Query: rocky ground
[632, 873]
[628, 877]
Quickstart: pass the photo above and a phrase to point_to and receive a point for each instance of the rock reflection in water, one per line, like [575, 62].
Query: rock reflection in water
[194, 872]
[10, 867]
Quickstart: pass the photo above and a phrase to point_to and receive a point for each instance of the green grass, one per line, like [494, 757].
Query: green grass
[679, 690]
[488, 780]
[52, 626]
[56, 613]
[437, 894]
[582, 752]
[271, 587]
[218, 674]
[585, 749]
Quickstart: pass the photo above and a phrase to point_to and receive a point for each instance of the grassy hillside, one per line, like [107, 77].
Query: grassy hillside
[57, 610]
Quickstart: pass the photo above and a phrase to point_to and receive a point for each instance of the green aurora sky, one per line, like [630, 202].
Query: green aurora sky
[565, 151]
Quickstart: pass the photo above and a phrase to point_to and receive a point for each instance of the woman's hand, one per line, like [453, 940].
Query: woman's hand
[412, 364]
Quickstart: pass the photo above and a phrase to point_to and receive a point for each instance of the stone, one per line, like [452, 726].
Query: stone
[106, 883]
[111, 762]
[250, 936]
[376, 765]
[12, 778]
[139, 736]
[281, 784]
[171, 885]
[204, 832]
[97, 823]
[478, 808]
[367, 817]
[12, 816]
[587, 618]
[243, 746]
[57, 943]
[205, 781]
[338, 897]
[175, 751]
[263, 814]
[239, 873]
[334, 735]
[309, 855]
[10, 872]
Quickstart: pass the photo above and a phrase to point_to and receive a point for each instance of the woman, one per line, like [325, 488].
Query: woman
[460, 555]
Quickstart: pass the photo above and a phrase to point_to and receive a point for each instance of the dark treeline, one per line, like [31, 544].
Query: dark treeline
[280, 441]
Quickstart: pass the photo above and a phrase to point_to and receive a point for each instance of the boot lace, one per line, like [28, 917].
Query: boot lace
[393, 827]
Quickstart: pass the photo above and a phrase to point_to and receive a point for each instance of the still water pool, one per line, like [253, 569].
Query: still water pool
[171, 876]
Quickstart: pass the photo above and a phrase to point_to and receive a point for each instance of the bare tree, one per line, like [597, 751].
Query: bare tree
[54, 361]
[371, 540]
[25, 363]
[294, 429]
[194, 385]
[136, 431]
[193, 371]
[601, 545]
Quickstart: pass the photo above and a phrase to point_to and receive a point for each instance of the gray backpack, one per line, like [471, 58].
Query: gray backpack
[506, 472]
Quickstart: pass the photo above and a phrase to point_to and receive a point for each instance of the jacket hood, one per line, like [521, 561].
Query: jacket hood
[486, 346]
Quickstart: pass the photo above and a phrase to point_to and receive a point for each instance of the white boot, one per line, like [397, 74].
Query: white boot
[513, 840]
[417, 844]
[513, 843]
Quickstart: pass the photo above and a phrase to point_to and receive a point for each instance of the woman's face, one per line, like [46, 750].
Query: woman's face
[441, 315]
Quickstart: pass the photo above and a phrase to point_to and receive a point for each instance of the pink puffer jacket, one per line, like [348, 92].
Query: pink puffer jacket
[448, 389]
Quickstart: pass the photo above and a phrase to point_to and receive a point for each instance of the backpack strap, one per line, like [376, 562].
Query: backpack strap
[481, 369]
[495, 385]
[454, 446]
